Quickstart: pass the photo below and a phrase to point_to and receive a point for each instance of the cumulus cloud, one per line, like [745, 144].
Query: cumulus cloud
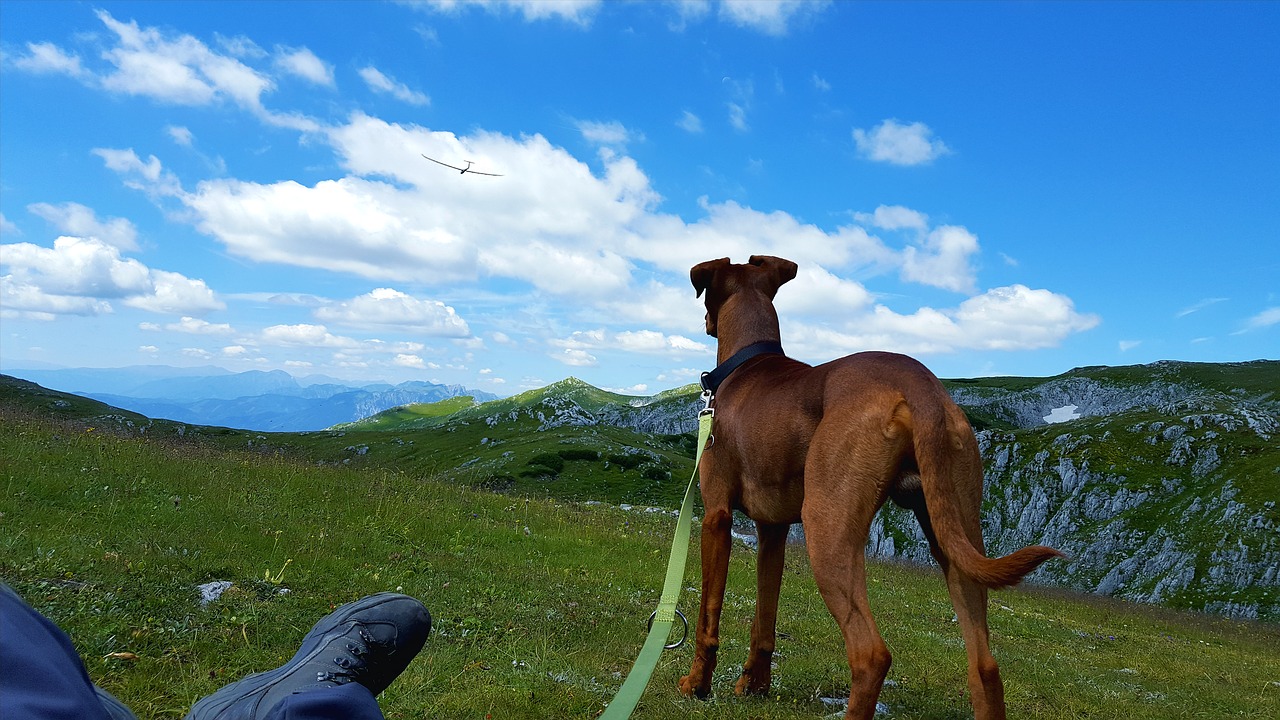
[82, 276]
[689, 122]
[180, 70]
[196, 326]
[771, 17]
[898, 144]
[1006, 318]
[895, 217]
[648, 342]
[578, 12]
[181, 135]
[380, 82]
[409, 361]
[149, 177]
[49, 58]
[303, 63]
[943, 260]
[76, 219]
[609, 134]
[305, 335]
[388, 308]
[575, 357]
[175, 69]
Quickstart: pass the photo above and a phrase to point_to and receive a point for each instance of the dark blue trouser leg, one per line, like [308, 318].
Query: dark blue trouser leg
[41, 676]
[352, 701]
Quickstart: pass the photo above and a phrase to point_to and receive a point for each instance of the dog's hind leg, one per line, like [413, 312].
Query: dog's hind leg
[757, 673]
[837, 524]
[969, 598]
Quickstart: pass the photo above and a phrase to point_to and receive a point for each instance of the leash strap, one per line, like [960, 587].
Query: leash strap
[624, 703]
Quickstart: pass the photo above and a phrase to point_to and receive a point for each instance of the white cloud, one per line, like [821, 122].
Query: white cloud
[7, 227]
[649, 342]
[198, 353]
[652, 342]
[304, 335]
[895, 217]
[234, 350]
[1007, 318]
[196, 326]
[304, 64]
[611, 134]
[409, 361]
[388, 308]
[76, 219]
[820, 84]
[689, 122]
[817, 292]
[771, 17]
[1264, 319]
[175, 294]
[899, 144]
[1127, 345]
[578, 12]
[181, 135]
[576, 358]
[944, 260]
[148, 349]
[79, 267]
[379, 82]
[149, 176]
[738, 117]
[180, 70]
[1197, 307]
[49, 58]
[169, 68]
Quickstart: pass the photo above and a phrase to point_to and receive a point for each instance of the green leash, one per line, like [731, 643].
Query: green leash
[624, 703]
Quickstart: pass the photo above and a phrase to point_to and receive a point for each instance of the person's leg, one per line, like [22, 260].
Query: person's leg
[349, 657]
[352, 701]
[41, 676]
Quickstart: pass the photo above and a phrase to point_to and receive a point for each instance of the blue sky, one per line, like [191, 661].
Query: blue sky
[995, 188]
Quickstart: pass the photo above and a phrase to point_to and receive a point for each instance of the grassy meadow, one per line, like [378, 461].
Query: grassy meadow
[539, 604]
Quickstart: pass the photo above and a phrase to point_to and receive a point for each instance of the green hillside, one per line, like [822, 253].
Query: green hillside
[110, 523]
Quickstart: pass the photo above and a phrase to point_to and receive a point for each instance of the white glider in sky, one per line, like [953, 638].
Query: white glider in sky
[462, 170]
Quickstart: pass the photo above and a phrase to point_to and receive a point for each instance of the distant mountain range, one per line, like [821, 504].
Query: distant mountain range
[1161, 482]
[266, 401]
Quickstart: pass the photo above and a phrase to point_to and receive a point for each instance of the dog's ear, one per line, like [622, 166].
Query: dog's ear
[703, 273]
[779, 270]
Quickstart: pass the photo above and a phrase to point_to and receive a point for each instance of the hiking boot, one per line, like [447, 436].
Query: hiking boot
[369, 641]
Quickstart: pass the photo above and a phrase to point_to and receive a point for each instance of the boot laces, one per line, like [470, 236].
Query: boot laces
[351, 668]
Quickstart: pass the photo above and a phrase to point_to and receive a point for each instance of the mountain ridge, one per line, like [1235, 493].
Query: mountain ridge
[1162, 489]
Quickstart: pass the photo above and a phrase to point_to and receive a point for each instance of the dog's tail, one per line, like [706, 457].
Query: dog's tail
[951, 478]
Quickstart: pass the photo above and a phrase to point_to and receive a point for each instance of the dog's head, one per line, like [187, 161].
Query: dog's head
[721, 279]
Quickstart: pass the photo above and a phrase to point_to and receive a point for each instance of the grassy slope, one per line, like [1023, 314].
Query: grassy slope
[538, 603]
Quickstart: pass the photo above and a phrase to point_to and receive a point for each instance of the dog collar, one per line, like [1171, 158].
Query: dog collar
[711, 380]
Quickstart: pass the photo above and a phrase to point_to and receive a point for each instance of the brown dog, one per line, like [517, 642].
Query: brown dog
[826, 446]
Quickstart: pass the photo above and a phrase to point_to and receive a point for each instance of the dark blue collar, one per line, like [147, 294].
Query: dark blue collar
[711, 380]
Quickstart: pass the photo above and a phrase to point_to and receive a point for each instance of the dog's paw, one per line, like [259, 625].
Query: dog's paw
[689, 688]
[752, 684]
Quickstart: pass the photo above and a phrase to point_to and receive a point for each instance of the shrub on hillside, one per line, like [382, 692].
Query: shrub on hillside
[627, 462]
[550, 461]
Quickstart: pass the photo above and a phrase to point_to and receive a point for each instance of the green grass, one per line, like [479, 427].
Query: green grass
[539, 604]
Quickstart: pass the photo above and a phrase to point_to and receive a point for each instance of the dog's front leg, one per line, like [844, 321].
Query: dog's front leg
[757, 673]
[716, 537]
